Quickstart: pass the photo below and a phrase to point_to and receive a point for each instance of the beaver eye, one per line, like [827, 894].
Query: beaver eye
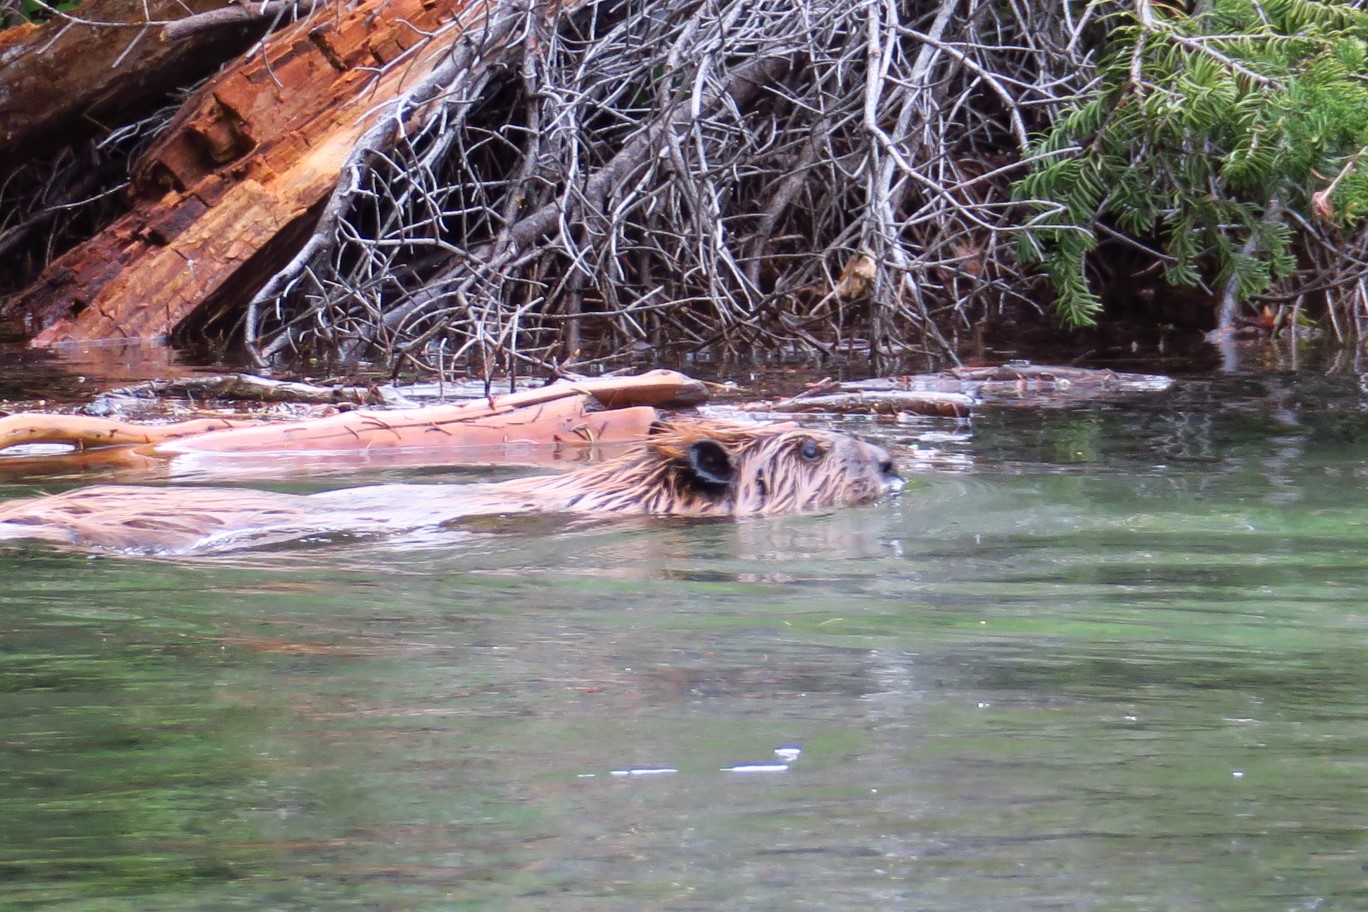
[810, 451]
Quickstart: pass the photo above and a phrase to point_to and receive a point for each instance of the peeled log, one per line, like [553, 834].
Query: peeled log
[435, 427]
[559, 413]
[232, 187]
[586, 412]
[84, 432]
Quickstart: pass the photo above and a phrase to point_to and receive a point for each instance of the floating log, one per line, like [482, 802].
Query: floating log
[877, 402]
[83, 432]
[1025, 384]
[955, 393]
[444, 428]
[550, 414]
[590, 412]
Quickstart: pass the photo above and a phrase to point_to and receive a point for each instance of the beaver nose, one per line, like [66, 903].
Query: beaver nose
[888, 473]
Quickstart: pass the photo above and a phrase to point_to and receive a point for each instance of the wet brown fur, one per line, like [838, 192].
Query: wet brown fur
[771, 469]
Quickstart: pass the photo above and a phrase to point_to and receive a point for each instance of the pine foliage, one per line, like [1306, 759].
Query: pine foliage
[1213, 135]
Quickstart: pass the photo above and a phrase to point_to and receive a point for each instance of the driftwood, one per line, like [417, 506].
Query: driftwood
[878, 402]
[1025, 384]
[587, 412]
[955, 393]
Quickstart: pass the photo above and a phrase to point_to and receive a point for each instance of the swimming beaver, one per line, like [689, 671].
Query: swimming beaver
[704, 469]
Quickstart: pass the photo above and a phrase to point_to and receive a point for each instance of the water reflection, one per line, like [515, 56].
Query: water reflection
[1121, 664]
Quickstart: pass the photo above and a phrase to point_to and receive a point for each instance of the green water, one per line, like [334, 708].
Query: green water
[1117, 661]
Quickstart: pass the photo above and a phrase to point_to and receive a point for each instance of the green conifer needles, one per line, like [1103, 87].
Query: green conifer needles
[1214, 137]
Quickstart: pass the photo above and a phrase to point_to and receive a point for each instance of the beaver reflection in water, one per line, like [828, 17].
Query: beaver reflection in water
[704, 469]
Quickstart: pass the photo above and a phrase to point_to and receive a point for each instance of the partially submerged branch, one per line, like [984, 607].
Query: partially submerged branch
[583, 413]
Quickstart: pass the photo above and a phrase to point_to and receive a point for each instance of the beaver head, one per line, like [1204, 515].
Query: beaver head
[716, 469]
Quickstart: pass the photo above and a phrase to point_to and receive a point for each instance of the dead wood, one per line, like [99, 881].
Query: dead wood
[68, 76]
[237, 175]
[492, 183]
[84, 432]
[240, 388]
[237, 15]
[576, 201]
[585, 413]
[956, 393]
[711, 175]
[881, 402]
[558, 413]
[565, 420]
[80, 96]
[1063, 376]
[1023, 384]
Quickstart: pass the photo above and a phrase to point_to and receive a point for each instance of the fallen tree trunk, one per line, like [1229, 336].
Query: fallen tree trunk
[588, 412]
[877, 402]
[238, 178]
[69, 76]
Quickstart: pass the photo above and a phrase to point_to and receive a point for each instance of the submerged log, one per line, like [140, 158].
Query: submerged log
[1063, 379]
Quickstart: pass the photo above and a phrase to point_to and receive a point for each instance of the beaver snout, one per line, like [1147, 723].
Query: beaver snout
[888, 473]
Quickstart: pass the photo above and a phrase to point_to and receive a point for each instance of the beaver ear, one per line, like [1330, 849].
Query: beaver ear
[711, 462]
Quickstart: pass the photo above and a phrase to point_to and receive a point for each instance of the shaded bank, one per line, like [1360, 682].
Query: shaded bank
[491, 184]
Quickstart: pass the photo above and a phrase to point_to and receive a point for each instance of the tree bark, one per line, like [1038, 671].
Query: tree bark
[66, 78]
[234, 183]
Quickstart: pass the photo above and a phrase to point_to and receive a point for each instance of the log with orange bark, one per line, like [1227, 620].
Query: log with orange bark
[583, 412]
[236, 181]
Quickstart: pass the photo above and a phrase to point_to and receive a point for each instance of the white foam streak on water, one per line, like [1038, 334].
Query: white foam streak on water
[757, 768]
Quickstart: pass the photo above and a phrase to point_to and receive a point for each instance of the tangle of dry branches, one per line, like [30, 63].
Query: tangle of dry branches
[721, 174]
[589, 177]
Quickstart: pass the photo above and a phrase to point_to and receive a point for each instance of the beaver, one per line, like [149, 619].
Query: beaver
[686, 469]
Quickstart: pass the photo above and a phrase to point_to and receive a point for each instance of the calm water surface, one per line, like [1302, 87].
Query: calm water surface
[1113, 658]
